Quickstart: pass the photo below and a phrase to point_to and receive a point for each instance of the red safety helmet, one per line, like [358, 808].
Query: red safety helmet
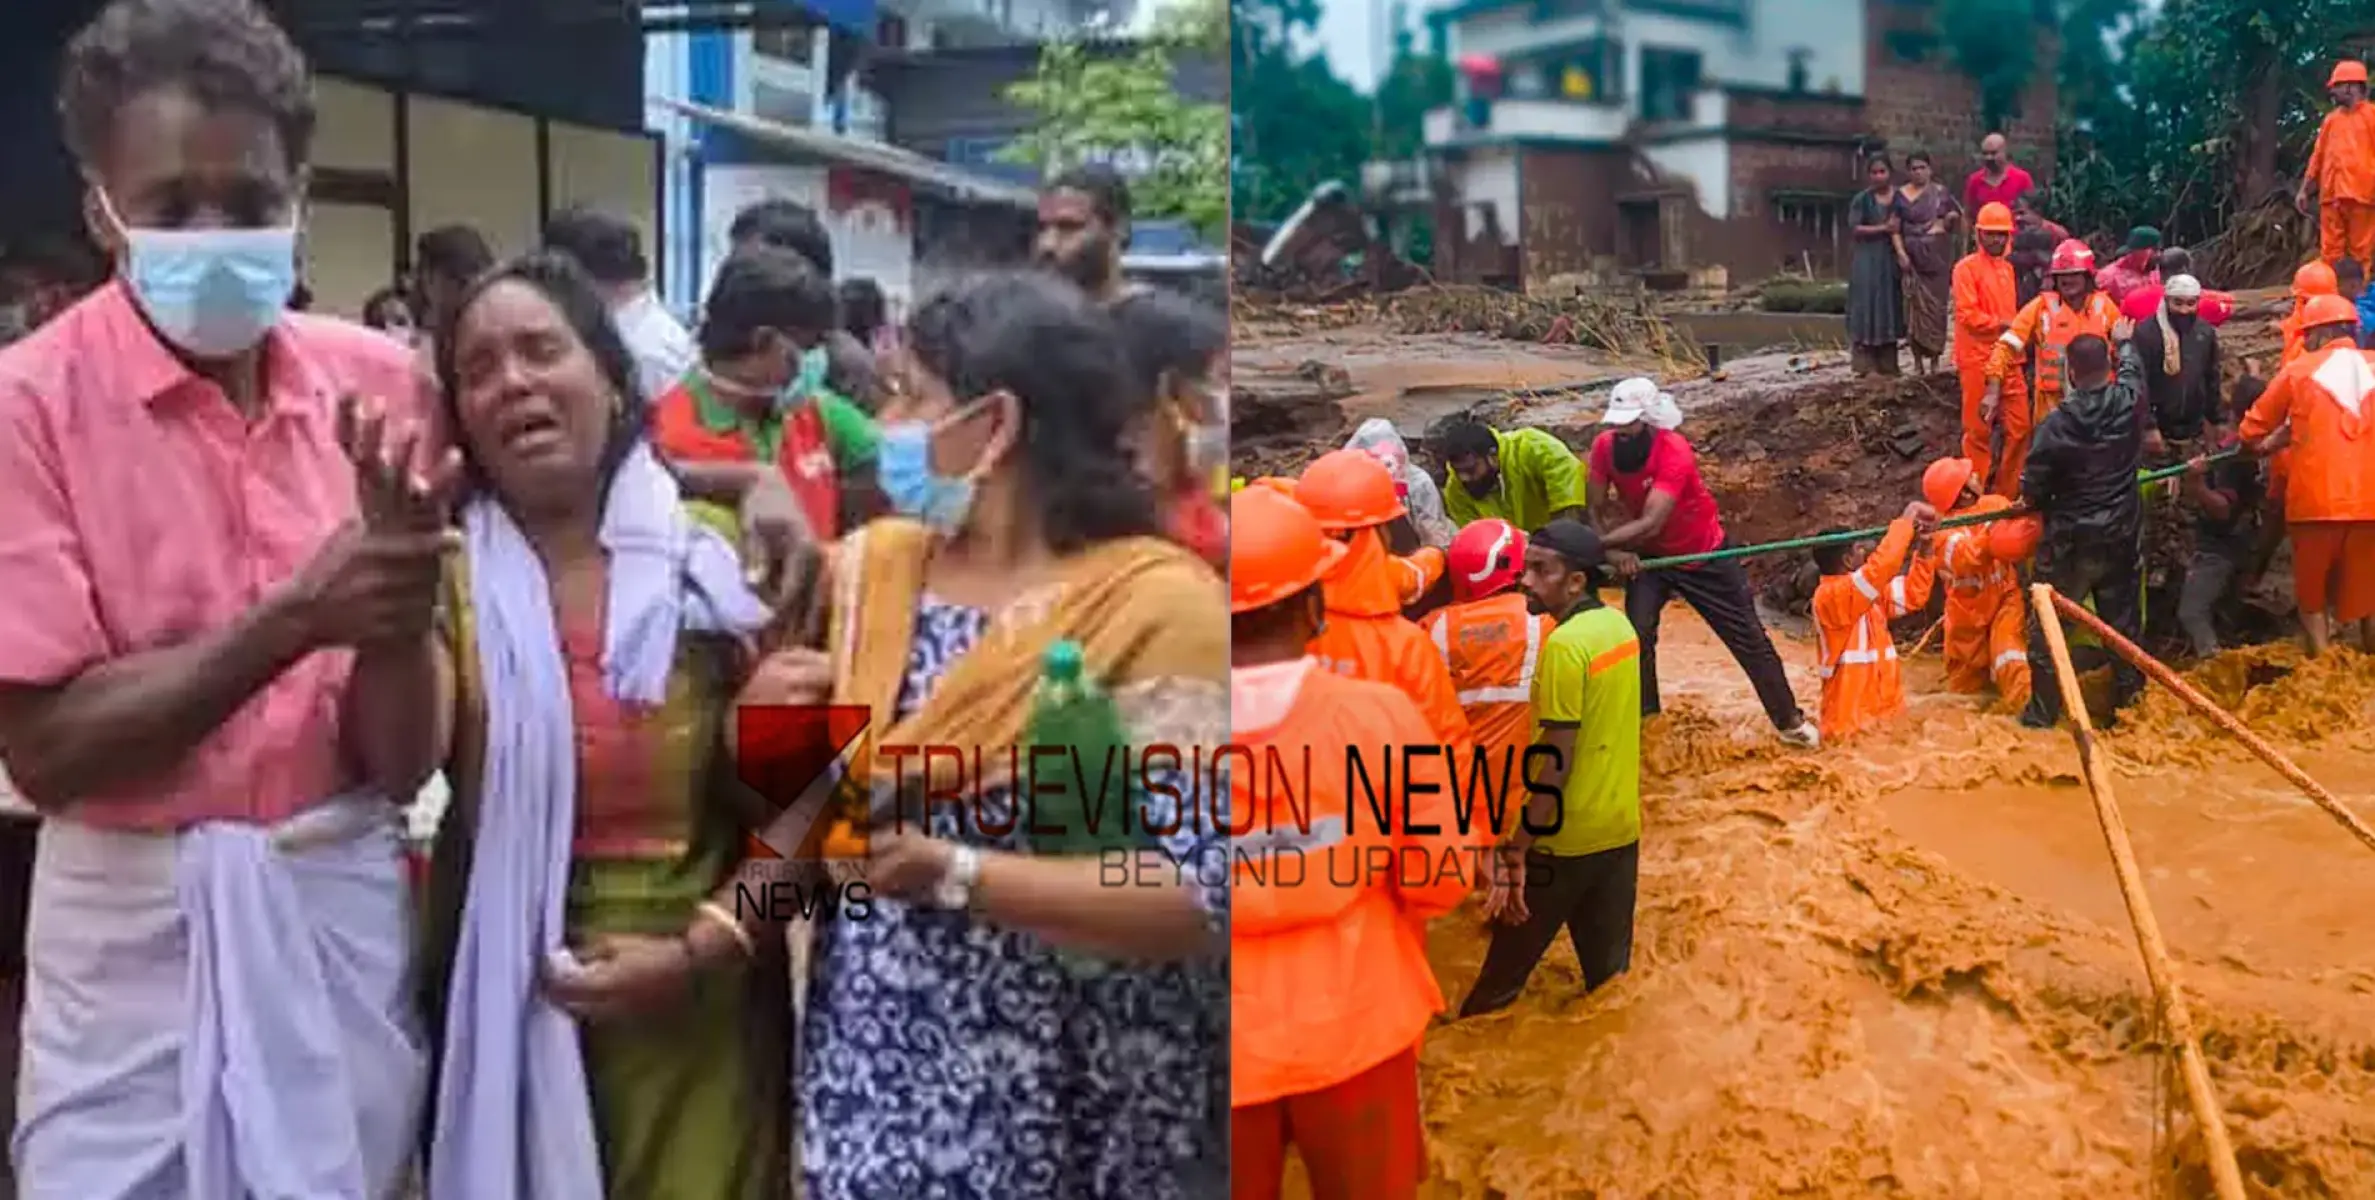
[1348, 489]
[1942, 484]
[1485, 557]
[2072, 257]
[1276, 549]
[2014, 539]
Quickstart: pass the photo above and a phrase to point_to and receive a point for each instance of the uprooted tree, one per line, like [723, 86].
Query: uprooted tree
[1089, 105]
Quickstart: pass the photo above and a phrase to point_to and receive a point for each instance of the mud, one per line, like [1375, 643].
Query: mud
[1901, 967]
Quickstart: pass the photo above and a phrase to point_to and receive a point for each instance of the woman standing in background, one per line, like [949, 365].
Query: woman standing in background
[1926, 220]
[1875, 300]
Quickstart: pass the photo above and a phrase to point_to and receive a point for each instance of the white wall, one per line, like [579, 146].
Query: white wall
[868, 241]
[1705, 163]
[1487, 176]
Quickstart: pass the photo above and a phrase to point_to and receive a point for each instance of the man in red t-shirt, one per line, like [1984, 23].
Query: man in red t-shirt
[1646, 492]
[2144, 303]
[1997, 181]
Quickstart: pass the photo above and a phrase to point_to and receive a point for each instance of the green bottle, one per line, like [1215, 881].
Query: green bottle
[1070, 710]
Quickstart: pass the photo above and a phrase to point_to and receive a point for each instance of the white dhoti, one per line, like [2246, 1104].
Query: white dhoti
[223, 1014]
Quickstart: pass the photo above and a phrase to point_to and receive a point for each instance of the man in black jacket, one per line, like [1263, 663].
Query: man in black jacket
[2179, 353]
[2081, 476]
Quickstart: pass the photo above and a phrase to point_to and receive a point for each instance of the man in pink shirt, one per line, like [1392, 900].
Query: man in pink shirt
[1997, 181]
[216, 657]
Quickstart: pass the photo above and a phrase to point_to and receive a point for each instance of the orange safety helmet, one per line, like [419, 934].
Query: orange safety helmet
[1991, 503]
[1994, 218]
[2349, 70]
[2328, 310]
[2315, 279]
[1276, 549]
[2072, 257]
[1942, 484]
[1348, 489]
[1276, 483]
[2014, 539]
[1485, 557]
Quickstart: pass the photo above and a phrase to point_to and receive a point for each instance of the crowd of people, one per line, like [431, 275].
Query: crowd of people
[271, 571]
[1380, 599]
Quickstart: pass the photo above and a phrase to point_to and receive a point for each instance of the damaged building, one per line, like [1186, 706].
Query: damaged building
[1691, 141]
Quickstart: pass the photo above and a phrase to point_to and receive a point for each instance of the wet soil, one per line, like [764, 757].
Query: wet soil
[1901, 966]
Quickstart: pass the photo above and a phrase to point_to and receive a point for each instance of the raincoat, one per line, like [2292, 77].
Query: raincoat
[1540, 476]
[1986, 623]
[1419, 493]
[1367, 637]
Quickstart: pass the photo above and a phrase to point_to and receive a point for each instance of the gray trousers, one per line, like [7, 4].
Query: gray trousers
[2210, 579]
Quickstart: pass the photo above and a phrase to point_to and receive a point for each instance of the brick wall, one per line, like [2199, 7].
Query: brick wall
[1916, 99]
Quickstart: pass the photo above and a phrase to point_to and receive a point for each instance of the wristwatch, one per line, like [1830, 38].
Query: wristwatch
[955, 889]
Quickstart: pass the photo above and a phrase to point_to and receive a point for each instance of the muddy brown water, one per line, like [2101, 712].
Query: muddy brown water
[1902, 966]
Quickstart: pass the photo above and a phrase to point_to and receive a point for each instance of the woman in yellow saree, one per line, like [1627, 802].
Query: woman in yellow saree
[955, 1044]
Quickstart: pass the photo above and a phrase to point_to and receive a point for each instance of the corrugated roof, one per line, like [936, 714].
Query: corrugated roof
[874, 156]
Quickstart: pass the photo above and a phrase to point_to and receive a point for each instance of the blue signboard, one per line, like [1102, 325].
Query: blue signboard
[856, 17]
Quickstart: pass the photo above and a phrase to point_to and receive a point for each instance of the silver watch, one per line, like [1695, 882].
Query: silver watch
[955, 889]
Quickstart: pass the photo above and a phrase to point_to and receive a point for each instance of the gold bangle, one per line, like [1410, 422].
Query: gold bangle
[711, 910]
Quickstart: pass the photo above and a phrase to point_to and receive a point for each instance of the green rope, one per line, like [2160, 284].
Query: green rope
[2143, 478]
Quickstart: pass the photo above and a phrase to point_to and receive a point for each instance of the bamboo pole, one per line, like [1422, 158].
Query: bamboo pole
[2162, 675]
[2225, 1177]
[1926, 635]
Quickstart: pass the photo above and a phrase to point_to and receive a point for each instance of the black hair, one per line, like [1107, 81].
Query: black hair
[1272, 622]
[1168, 332]
[301, 297]
[380, 300]
[1922, 157]
[2089, 354]
[758, 288]
[1108, 192]
[786, 225]
[863, 309]
[227, 54]
[562, 281]
[2248, 390]
[1832, 559]
[1060, 355]
[1460, 436]
[2176, 260]
[457, 252]
[1877, 158]
[609, 247]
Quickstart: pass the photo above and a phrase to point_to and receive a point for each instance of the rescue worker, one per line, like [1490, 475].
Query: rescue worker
[1579, 842]
[1645, 483]
[1366, 636]
[1524, 476]
[1414, 574]
[2038, 338]
[1859, 595]
[2320, 403]
[1986, 298]
[2312, 280]
[2081, 476]
[2341, 172]
[1491, 642]
[1984, 636]
[1330, 987]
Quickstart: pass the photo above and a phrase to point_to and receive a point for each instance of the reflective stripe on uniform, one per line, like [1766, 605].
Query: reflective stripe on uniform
[2007, 658]
[1522, 692]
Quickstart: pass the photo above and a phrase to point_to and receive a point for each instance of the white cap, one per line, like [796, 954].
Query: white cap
[1629, 401]
[2182, 287]
[1664, 413]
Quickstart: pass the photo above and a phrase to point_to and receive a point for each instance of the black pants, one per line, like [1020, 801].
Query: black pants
[1720, 593]
[1591, 897]
[2114, 576]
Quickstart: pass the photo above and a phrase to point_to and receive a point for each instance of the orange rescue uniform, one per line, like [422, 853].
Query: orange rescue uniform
[2329, 492]
[1329, 985]
[1491, 646]
[1986, 635]
[2043, 332]
[1986, 299]
[1367, 637]
[2343, 164]
[1416, 572]
[1857, 658]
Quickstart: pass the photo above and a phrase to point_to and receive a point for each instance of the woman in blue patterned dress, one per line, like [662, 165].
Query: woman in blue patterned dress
[1004, 1025]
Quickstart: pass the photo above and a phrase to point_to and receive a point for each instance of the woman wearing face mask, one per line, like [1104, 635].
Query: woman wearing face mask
[961, 1008]
[606, 1029]
[757, 400]
[1181, 349]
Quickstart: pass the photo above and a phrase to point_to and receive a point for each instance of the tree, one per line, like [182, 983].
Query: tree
[1088, 106]
[1415, 83]
[1296, 125]
[1995, 43]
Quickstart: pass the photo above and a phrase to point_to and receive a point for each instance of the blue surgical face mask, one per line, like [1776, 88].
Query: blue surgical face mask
[212, 292]
[903, 465]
